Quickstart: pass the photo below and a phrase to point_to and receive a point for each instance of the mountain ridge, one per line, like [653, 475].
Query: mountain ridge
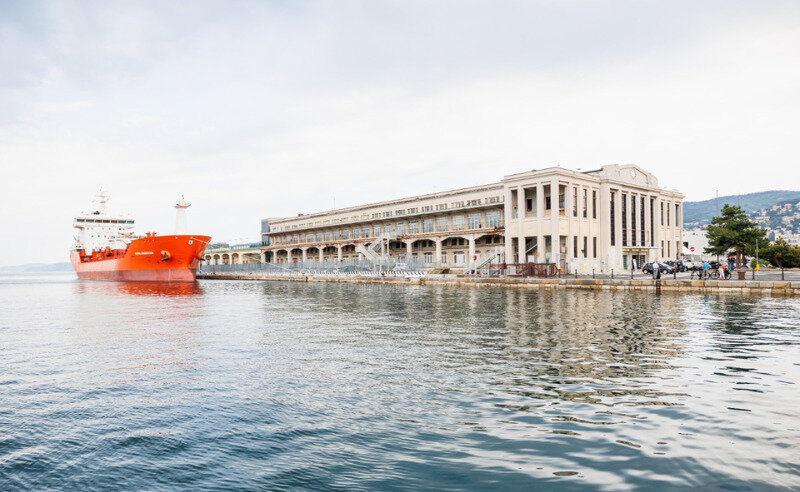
[63, 266]
[700, 213]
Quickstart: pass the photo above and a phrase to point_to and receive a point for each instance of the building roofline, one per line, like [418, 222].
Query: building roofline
[390, 202]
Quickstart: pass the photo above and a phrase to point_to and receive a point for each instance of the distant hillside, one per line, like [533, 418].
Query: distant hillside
[700, 213]
[37, 268]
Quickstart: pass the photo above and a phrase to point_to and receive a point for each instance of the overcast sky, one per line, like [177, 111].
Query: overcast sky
[256, 109]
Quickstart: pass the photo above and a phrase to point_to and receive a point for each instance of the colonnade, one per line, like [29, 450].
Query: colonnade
[336, 252]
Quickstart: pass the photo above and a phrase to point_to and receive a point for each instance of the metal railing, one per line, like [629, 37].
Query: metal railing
[414, 265]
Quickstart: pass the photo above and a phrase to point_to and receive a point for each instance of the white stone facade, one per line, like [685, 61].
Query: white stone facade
[596, 220]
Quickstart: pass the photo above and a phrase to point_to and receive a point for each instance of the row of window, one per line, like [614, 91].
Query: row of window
[580, 202]
[668, 252]
[400, 212]
[636, 205]
[104, 221]
[439, 224]
[584, 251]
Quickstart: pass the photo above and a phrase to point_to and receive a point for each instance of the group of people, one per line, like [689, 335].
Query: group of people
[724, 270]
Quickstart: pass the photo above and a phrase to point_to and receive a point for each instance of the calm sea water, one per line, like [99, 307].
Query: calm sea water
[252, 385]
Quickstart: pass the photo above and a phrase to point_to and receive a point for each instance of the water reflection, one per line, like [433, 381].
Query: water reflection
[326, 386]
[140, 288]
[150, 327]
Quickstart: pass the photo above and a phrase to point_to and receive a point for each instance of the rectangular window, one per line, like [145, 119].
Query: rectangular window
[319, 236]
[441, 224]
[633, 220]
[376, 230]
[641, 219]
[662, 249]
[400, 227]
[594, 247]
[575, 246]
[585, 203]
[327, 235]
[562, 199]
[574, 201]
[356, 230]
[613, 221]
[493, 219]
[413, 227]
[474, 221]
[365, 232]
[677, 221]
[427, 225]
[667, 217]
[652, 221]
[585, 247]
[594, 204]
[459, 222]
[345, 234]
[624, 212]
[662, 215]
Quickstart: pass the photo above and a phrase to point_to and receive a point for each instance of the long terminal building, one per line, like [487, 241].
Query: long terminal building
[599, 220]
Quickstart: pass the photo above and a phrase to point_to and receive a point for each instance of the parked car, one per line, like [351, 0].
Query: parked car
[692, 265]
[648, 268]
[678, 265]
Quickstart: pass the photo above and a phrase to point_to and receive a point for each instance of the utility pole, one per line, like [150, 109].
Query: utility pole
[756, 253]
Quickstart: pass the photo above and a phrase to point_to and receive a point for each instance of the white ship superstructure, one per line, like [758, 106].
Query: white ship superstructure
[99, 230]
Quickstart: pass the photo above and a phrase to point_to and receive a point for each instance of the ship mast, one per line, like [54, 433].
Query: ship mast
[180, 216]
[102, 200]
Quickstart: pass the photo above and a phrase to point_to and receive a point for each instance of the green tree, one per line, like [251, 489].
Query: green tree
[782, 254]
[733, 231]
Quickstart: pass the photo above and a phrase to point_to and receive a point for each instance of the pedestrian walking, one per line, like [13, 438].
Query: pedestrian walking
[656, 270]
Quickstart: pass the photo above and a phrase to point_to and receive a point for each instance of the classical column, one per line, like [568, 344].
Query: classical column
[305, 254]
[629, 211]
[508, 216]
[409, 245]
[579, 232]
[646, 212]
[321, 257]
[569, 203]
[438, 253]
[521, 255]
[618, 222]
[539, 219]
[471, 261]
[555, 217]
[339, 252]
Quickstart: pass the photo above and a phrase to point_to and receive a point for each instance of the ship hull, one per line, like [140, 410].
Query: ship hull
[148, 259]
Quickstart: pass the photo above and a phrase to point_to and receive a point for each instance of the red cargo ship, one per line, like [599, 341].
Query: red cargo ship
[116, 254]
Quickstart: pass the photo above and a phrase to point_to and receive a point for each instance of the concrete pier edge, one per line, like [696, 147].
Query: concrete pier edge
[776, 288]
